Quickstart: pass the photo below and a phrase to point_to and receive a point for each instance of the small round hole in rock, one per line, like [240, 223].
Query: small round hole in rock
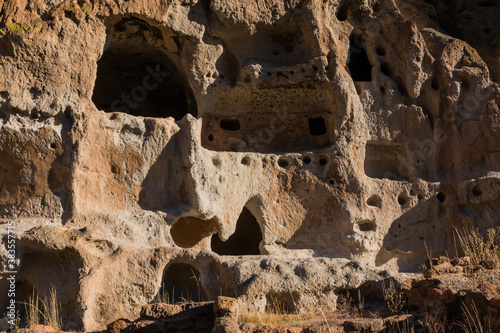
[331, 182]
[374, 201]
[276, 52]
[210, 137]
[283, 162]
[231, 124]
[477, 191]
[380, 51]
[34, 114]
[307, 159]
[323, 160]
[420, 196]
[53, 145]
[402, 199]
[288, 48]
[441, 197]
[245, 160]
[366, 225]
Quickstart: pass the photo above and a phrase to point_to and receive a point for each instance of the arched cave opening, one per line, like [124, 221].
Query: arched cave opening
[139, 76]
[244, 241]
[359, 65]
[181, 282]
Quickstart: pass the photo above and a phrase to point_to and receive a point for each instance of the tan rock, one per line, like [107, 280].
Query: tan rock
[160, 310]
[118, 326]
[256, 149]
[226, 306]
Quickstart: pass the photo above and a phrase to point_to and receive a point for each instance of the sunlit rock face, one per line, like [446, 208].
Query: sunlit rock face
[255, 149]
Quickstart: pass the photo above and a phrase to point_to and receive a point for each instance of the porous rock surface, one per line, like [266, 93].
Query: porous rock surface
[259, 149]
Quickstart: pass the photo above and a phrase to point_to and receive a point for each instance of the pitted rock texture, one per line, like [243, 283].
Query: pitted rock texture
[253, 149]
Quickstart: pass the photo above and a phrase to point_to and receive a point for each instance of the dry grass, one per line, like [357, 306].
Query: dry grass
[401, 327]
[51, 310]
[436, 322]
[393, 298]
[429, 255]
[481, 251]
[33, 310]
[278, 313]
[164, 296]
[473, 323]
[46, 308]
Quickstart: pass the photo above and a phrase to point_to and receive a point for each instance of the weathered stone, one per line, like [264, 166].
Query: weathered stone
[226, 324]
[257, 149]
[277, 329]
[247, 328]
[118, 326]
[226, 306]
[495, 302]
[160, 310]
[364, 325]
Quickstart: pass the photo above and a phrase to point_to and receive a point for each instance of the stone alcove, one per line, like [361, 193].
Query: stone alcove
[181, 282]
[138, 75]
[244, 241]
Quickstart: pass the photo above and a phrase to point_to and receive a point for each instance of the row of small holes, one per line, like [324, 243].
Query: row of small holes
[323, 160]
[284, 162]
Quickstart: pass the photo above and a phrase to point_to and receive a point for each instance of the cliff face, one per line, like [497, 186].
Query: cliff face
[266, 148]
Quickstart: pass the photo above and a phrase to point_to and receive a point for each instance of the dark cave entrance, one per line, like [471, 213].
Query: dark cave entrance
[317, 126]
[139, 76]
[244, 241]
[181, 282]
[359, 65]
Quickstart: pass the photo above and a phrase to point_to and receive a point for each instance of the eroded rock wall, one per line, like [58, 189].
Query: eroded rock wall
[282, 149]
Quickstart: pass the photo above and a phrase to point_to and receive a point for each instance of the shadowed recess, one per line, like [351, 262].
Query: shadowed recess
[317, 126]
[136, 75]
[359, 65]
[386, 160]
[244, 241]
[189, 231]
[181, 282]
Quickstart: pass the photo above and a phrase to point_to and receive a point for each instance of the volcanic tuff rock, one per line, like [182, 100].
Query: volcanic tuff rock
[259, 149]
